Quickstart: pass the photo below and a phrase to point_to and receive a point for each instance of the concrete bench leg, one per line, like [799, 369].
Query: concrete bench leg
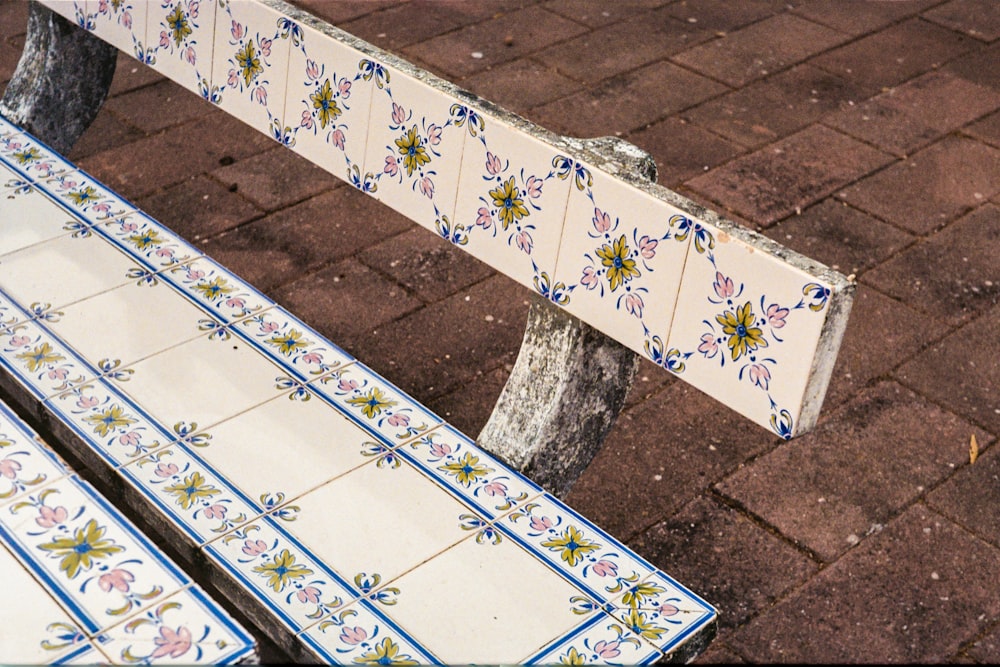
[569, 381]
[61, 80]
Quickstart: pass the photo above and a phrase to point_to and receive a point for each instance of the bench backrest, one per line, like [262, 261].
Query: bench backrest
[751, 323]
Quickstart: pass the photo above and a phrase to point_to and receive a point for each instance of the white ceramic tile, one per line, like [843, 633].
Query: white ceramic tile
[518, 604]
[121, 23]
[36, 630]
[281, 449]
[357, 634]
[480, 480]
[327, 103]
[73, 10]
[745, 322]
[147, 241]
[250, 63]
[621, 260]
[603, 640]
[187, 629]
[379, 520]
[65, 269]
[293, 345]
[26, 463]
[179, 41]
[100, 567]
[373, 403]
[29, 157]
[227, 297]
[512, 202]
[86, 196]
[414, 152]
[40, 360]
[284, 575]
[202, 381]
[129, 323]
[27, 217]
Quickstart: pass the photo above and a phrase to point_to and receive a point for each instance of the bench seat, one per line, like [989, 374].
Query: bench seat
[344, 518]
[82, 585]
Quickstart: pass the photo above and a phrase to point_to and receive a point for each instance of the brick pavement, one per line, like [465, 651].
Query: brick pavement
[865, 134]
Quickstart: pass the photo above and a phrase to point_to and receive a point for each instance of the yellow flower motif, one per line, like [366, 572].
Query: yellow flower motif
[179, 27]
[573, 657]
[572, 545]
[282, 570]
[25, 156]
[372, 403]
[249, 63]
[214, 289]
[192, 489]
[412, 150]
[640, 592]
[507, 198]
[83, 195]
[743, 336]
[146, 239]
[81, 550]
[41, 355]
[289, 342]
[109, 420]
[621, 268]
[324, 103]
[638, 624]
[468, 470]
[385, 652]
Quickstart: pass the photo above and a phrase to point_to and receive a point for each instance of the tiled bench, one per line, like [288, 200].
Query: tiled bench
[338, 513]
[82, 585]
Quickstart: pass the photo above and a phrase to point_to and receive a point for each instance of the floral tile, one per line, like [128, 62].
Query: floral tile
[597, 563]
[198, 499]
[380, 520]
[110, 425]
[455, 462]
[603, 640]
[224, 295]
[28, 217]
[745, 321]
[293, 345]
[26, 464]
[296, 586]
[503, 603]
[250, 63]
[512, 201]
[29, 157]
[116, 328]
[147, 241]
[179, 39]
[328, 101]
[374, 404]
[65, 269]
[121, 23]
[99, 567]
[86, 196]
[358, 635]
[414, 151]
[621, 260]
[186, 628]
[203, 381]
[44, 365]
[282, 449]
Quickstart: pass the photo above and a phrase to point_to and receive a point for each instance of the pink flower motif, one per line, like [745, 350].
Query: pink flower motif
[101, 208]
[634, 304]
[126, 20]
[189, 55]
[485, 220]
[102, 6]
[398, 114]
[647, 247]
[354, 635]
[776, 315]
[164, 39]
[345, 88]
[338, 139]
[265, 46]
[130, 439]
[312, 69]
[708, 346]
[434, 135]
[233, 78]
[492, 164]
[269, 327]
[308, 594]
[166, 470]
[19, 341]
[237, 30]
[173, 643]
[667, 609]
[427, 187]
[312, 358]
[58, 374]
[440, 449]
[607, 650]
[195, 274]
[116, 579]
[525, 242]
[254, 547]
[605, 568]
[391, 167]
[193, 9]
[760, 376]
[307, 120]
[541, 523]
[496, 489]
[49, 516]
[348, 385]
[602, 221]
[589, 279]
[129, 226]
[87, 402]
[723, 285]
[216, 511]
[9, 468]
[235, 302]
[261, 94]
[534, 187]
[165, 252]
[398, 420]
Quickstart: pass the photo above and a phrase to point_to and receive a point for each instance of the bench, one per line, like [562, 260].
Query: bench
[197, 398]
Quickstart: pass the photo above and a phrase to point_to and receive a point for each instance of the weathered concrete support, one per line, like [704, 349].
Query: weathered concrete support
[61, 81]
[570, 380]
